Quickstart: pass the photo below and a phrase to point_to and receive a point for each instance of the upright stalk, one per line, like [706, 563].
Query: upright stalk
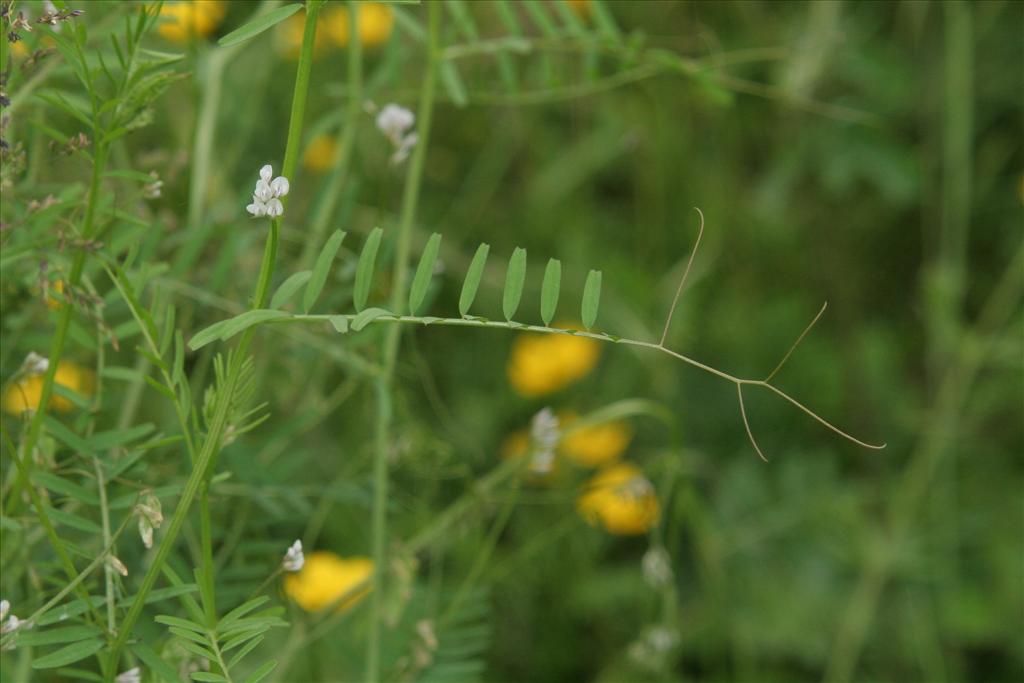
[384, 381]
[206, 460]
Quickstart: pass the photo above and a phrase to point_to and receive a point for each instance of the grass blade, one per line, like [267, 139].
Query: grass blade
[364, 270]
[320, 270]
[549, 290]
[421, 281]
[259, 24]
[515, 277]
[591, 298]
[472, 281]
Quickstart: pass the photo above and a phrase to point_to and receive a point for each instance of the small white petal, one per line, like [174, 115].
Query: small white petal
[275, 208]
[266, 173]
[257, 208]
[279, 186]
[5, 607]
[263, 191]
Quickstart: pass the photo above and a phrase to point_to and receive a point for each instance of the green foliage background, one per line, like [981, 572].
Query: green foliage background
[864, 154]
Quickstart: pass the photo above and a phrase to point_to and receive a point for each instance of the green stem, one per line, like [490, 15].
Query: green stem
[203, 468]
[353, 109]
[383, 384]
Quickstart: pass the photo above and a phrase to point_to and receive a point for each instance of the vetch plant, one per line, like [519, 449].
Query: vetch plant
[86, 462]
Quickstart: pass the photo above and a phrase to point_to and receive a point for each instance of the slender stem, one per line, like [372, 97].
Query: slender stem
[203, 469]
[383, 383]
[108, 571]
[291, 152]
[682, 281]
[353, 109]
[795, 344]
[479, 322]
[71, 586]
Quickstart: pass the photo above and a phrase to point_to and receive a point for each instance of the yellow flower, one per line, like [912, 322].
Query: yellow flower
[24, 394]
[289, 33]
[320, 153]
[19, 49]
[620, 499]
[52, 302]
[375, 23]
[541, 364]
[181, 21]
[580, 7]
[597, 445]
[326, 578]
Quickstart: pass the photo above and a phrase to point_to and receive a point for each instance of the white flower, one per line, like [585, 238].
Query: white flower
[133, 675]
[657, 567]
[10, 624]
[265, 198]
[35, 364]
[294, 559]
[544, 436]
[395, 121]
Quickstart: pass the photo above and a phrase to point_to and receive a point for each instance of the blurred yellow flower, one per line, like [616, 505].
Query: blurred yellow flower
[541, 364]
[515, 444]
[375, 23]
[19, 49]
[320, 153]
[52, 302]
[24, 394]
[580, 7]
[620, 499]
[597, 445]
[289, 33]
[326, 578]
[181, 21]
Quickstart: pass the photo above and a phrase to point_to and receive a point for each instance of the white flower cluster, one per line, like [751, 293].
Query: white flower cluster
[544, 436]
[395, 121]
[294, 559]
[10, 624]
[35, 364]
[266, 197]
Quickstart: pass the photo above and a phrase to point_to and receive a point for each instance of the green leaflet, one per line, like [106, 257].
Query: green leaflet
[421, 281]
[68, 655]
[248, 319]
[368, 316]
[364, 270]
[339, 323]
[207, 335]
[549, 290]
[55, 636]
[515, 277]
[289, 287]
[591, 298]
[472, 281]
[320, 270]
[259, 24]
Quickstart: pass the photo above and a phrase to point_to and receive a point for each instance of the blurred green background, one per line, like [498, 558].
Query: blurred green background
[865, 154]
